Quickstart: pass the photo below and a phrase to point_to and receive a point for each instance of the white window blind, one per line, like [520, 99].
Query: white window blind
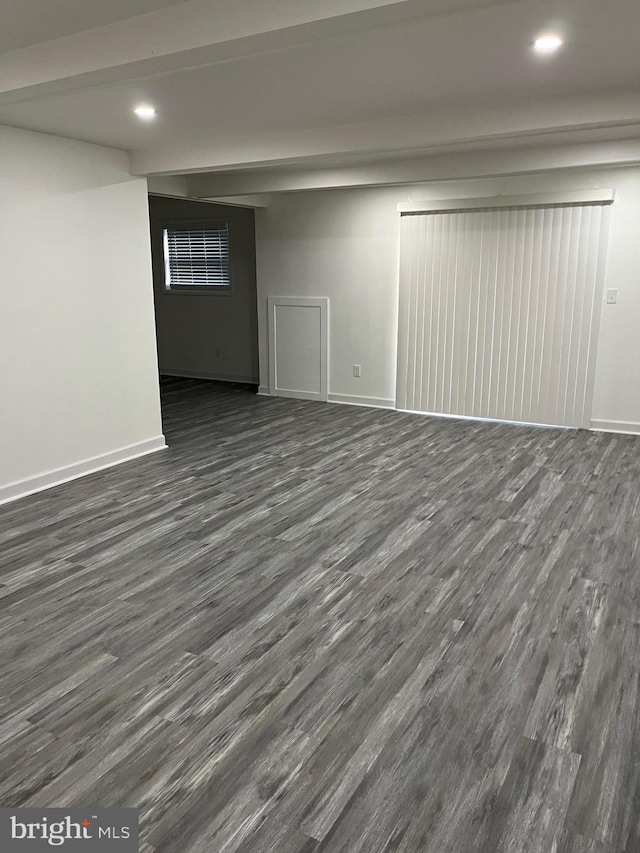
[196, 255]
[499, 312]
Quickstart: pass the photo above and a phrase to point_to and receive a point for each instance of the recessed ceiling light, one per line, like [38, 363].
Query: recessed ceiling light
[145, 112]
[547, 44]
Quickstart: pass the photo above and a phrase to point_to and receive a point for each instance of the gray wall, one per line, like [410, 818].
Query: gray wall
[203, 334]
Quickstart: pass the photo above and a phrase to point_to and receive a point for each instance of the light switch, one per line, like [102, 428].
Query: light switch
[612, 296]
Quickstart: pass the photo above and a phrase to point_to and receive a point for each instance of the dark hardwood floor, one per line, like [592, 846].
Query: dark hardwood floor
[310, 628]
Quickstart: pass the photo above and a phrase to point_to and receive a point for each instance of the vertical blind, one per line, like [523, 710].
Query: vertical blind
[197, 255]
[499, 310]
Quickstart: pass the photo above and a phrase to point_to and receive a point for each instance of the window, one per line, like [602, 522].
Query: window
[196, 256]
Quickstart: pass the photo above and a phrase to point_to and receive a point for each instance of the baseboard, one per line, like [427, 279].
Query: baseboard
[625, 427]
[300, 395]
[203, 374]
[40, 482]
[475, 419]
[343, 399]
[263, 391]
[357, 400]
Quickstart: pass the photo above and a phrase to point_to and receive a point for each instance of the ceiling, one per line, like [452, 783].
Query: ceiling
[27, 22]
[246, 83]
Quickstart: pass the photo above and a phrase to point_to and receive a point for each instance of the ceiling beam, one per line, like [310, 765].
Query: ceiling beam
[438, 167]
[195, 33]
[473, 126]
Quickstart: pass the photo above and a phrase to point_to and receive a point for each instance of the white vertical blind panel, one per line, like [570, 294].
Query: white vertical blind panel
[499, 312]
[407, 240]
[596, 266]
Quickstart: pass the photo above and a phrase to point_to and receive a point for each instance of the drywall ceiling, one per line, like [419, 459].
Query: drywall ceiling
[263, 82]
[27, 22]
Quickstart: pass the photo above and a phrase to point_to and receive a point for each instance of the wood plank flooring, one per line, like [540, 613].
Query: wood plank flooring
[310, 628]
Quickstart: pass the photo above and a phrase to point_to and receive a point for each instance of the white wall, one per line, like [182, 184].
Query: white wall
[344, 244]
[78, 371]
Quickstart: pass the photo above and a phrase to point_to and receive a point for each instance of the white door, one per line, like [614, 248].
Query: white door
[298, 340]
[499, 312]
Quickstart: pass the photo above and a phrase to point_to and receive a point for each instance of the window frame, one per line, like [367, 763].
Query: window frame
[195, 289]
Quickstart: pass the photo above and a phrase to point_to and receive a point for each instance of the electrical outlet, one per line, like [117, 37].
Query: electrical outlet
[356, 371]
[612, 296]
[217, 352]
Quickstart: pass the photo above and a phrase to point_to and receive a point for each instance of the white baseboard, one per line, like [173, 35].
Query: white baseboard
[300, 395]
[473, 418]
[626, 427]
[203, 374]
[40, 482]
[343, 399]
[357, 400]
